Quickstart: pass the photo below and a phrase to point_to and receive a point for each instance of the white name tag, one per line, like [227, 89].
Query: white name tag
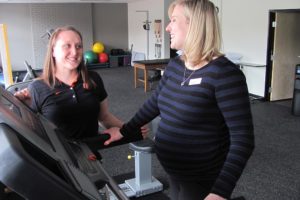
[195, 81]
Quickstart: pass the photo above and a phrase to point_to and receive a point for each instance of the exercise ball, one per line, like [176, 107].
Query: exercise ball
[98, 47]
[90, 57]
[103, 57]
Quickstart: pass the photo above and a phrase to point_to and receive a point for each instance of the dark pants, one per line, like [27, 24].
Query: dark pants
[188, 190]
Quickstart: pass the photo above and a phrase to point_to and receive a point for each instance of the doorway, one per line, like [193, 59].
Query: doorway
[283, 53]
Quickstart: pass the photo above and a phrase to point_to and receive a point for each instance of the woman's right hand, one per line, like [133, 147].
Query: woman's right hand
[23, 95]
[145, 131]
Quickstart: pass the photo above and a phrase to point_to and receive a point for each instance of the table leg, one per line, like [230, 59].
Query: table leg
[146, 80]
[135, 76]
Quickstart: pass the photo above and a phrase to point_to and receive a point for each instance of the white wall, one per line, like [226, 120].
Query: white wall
[26, 23]
[18, 21]
[137, 35]
[166, 35]
[244, 26]
[245, 30]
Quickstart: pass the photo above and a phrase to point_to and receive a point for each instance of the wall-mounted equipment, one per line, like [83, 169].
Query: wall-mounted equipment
[146, 26]
[158, 40]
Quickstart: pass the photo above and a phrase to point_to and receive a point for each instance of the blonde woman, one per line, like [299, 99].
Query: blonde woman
[205, 135]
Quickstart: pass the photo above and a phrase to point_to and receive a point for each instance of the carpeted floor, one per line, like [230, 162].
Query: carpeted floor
[273, 171]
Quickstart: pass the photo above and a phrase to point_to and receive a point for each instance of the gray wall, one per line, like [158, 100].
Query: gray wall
[26, 23]
[111, 25]
[47, 16]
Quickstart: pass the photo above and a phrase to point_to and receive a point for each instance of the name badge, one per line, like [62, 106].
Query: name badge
[195, 81]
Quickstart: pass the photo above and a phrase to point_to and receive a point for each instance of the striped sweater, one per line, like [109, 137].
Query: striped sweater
[206, 129]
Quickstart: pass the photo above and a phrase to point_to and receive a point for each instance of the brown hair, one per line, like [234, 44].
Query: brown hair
[49, 68]
[203, 40]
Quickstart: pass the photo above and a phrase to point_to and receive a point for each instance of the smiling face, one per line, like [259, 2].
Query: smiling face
[67, 51]
[178, 27]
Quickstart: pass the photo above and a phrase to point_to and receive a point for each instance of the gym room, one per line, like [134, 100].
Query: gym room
[126, 43]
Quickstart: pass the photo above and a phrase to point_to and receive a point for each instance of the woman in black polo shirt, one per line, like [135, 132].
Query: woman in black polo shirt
[67, 94]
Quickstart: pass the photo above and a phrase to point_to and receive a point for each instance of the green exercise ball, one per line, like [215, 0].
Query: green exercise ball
[90, 57]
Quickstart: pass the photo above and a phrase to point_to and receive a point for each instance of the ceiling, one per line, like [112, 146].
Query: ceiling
[66, 1]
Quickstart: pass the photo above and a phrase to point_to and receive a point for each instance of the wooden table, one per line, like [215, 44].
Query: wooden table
[147, 65]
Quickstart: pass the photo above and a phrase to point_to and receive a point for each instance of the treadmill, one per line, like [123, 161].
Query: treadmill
[37, 162]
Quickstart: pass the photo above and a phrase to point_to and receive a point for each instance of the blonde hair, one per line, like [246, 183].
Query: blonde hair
[203, 39]
[49, 68]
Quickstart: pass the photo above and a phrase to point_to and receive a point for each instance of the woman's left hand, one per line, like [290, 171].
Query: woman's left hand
[212, 196]
[114, 133]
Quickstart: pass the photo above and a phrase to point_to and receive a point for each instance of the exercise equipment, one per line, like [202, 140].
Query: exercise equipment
[48, 33]
[143, 183]
[28, 77]
[98, 47]
[1, 80]
[103, 57]
[296, 94]
[5, 56]
[30, 72]
[37, 162]
[146, 27]
[158, 43]
[90, 57]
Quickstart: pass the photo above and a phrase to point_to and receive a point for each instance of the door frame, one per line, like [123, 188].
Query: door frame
[270, 47]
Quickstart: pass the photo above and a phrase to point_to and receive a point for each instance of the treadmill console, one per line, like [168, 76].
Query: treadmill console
[38, 163]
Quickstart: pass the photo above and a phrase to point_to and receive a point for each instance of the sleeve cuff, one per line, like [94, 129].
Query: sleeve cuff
[124, 131]
[130, 135]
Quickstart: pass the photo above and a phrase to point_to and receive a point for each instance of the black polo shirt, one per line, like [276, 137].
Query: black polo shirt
[73, 109]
